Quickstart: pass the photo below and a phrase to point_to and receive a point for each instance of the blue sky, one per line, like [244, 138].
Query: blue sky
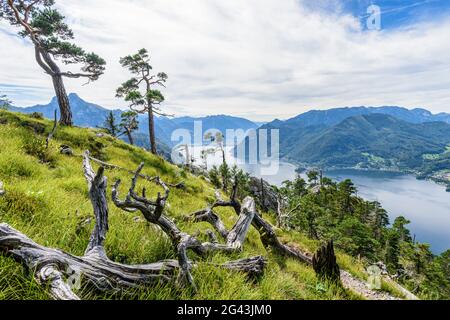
[400, 13]
[260, 59]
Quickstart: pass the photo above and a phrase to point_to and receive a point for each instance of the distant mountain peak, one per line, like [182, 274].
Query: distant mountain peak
[334, 116]
[73, 95]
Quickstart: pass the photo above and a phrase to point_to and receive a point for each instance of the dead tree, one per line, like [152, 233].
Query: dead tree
[52, 132]
[323, 262]
[265, 229]
[53, 268]
[153, 212]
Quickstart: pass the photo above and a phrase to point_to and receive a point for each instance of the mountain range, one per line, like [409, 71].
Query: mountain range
[369, 141]
[86, 114]
[334, 116]
[387, 137]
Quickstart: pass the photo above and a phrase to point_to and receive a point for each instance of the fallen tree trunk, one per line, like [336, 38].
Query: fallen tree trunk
[61, 271]
[52, 267]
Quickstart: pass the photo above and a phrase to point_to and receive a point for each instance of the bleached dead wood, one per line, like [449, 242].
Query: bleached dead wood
[153, 212]
[265, 229]
[52, 132]
[57, 269]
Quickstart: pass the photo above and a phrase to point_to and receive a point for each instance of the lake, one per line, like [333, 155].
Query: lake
[425, 203]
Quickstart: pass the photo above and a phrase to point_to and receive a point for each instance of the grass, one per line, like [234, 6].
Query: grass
[48, 201]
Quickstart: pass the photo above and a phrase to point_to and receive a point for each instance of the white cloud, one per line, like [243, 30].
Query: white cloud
[257, 58]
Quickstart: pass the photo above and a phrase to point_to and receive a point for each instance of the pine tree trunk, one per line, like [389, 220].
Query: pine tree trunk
[151, 130]
[224, 160]
[130, 137]
[63, 101]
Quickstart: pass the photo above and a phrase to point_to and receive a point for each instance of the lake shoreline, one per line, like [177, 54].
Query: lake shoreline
[417, 174]
[423, 202]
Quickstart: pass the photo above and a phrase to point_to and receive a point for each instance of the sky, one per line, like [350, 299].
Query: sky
[258, 59]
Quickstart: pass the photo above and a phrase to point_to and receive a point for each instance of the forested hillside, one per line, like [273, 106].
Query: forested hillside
[370, 141]
[376, 141]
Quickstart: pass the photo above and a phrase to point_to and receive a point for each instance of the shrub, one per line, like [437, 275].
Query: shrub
[37, 115]
[36, 147]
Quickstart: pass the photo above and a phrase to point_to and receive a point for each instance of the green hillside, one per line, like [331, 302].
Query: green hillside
[46, 198]
[373, 141]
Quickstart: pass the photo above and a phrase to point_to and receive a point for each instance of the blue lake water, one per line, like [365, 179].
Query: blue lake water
[425, 203]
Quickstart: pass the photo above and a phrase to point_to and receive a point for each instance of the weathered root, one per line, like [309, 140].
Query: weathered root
[323, 261]
[50, 267]
[61, 271]
[252, 266]
[270, 239]
[153, 212]
[208, 215]
[106, 165]
[265, 229]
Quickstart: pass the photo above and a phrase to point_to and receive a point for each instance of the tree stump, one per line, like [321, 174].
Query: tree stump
[324, 263]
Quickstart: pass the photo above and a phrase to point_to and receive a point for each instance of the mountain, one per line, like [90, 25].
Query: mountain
[373, 140]
[334, 116]
[333, 139]
[86, 114]
[216, 122]
[164, 127]
[363, 136]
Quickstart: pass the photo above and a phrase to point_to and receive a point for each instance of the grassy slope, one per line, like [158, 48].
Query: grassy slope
[47, 202]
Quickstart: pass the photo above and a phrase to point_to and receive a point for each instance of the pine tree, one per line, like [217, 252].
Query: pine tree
[41, 23]
[5, 103]
[110, 125]
[139, 92]
[128, 124]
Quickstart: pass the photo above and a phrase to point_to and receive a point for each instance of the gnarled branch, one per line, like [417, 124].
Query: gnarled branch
[153, 211]
[60, 270]
[265, 229]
